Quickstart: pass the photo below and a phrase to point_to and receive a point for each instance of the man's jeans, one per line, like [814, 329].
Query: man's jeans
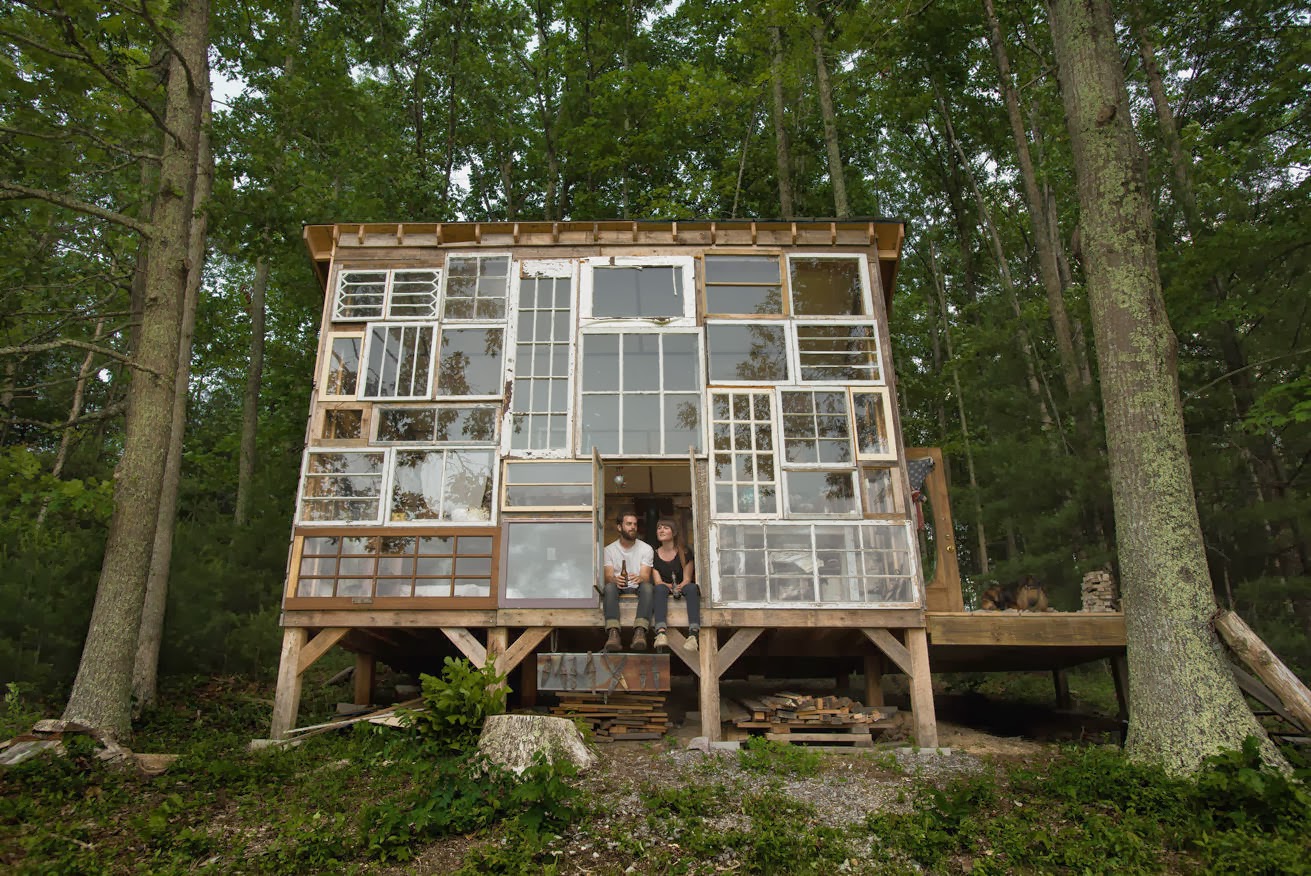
[610, 601]
[691, 594]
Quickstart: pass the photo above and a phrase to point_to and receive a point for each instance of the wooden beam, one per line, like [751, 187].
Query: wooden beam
[365, 667]
[470, 647]
[709, 651]
[896, 651]
[921, 689]
[873, 680]
[734, 647]
[1062, 686]
[590, 618]
[1056, 628]
[498, 640]
[691, 661]
[319, 645]
[522, 647]
[286, 699]
[1267, 667]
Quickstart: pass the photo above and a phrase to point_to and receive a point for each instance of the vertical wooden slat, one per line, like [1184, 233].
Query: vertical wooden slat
[365, 667]
[286, 700]
[873, 680]
[710, 684]
[1062, 686]
[921, 689]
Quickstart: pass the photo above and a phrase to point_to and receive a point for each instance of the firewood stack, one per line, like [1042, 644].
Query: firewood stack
[800, 718]
[616, 716]
[1099, 592]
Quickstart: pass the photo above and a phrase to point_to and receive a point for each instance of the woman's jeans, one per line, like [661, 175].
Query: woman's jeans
[691, 594]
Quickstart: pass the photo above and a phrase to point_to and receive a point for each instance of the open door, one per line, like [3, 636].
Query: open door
[598, 512]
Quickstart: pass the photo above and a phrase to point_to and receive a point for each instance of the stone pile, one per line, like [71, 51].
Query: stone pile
[1099, 592]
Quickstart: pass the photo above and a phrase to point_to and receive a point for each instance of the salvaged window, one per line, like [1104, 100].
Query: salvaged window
[477, 287]
[361, 295]
[447, 484]
[881, 486]
[641, 392]
[342, 370]
[549, 562]
[639, 288]
[342, 424]
[436, 424]
[828, 286]
[744, 285]
[399, 361]
[746, 352]
[548, 486]
[821, 493]
[816, 427]
[413, 295]
[743, 461]
[470, 362]
[343, 486]
[399, 294]
[838, 352]
[539, 404]
[873, 415]
[397, 566]
[814, 564]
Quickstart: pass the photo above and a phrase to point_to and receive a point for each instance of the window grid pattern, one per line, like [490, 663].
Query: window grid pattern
[540, 401]
[816, 427]
[743, 467]
[342, 486]
[413, 295]
[396, 566]
[476, 287]
[399, 361]
[641, 393]
[361, 295]
[837, 353]
[547, 485]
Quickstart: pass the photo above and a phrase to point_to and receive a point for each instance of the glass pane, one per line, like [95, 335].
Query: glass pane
[441, 544]
[396, 566]
[837, 352]
[747, 352]
[416, 487]
[682, 422]
[343, 424]
[556, 496]
[352, 587]
[549, 473]
[413, 295]
[360, 294]
[744, 300]
[646, 291]
[429, 587]
[826, 287]
[405, 424]
[314, 587]
[320, 545]
[641, 424]
[549, 561]
[820, 493]
[600, 362]
[435, 565]
[641, 365]
[600, 426]
[871, 424]
[345, 463]
[318, 567]
[465, 423]
[469, 566]
[472, 587]
[343, 366]
[681, 363]
[470, 362]
[475, 544]
[468, 489]
[743, 269]
[395, 587]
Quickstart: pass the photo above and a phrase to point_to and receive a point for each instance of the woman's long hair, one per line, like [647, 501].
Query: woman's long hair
[680, 546]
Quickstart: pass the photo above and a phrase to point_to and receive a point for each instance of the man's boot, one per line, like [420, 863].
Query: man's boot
[639, 640]
[612, 640]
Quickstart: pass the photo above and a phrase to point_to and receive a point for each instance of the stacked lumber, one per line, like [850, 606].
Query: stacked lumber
[616, 716]
[1099, 592]
[802, 718]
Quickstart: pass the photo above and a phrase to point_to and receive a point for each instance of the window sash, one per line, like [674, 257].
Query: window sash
[336, 381]
[369, 565]
[488, 387]
[743, 442]
[862, 275]
[811, 427]
[547, 486]
[370, 294]
[730, 329]
[398, 360]
[480, 296]
[432, 424]
[682, 315]
[432, 488]
[719, 280]
[357, 489]
[540, 418]
[818, 355]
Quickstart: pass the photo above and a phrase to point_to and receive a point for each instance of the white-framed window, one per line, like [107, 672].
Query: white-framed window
[744, 284]
[403, 293]
[872, 412]
[477, 287]
[542, 390]
[657, 288]
[398, 361]
[814, 565]
[446, 484]
[470, 361]
[640, 391]
[743, 464]
[547, 485]
[813, 492]
[832, 285]
[341, 486]
[435, 424]
[816, 427]
[341, 371]
[836, 352]
[746, 352]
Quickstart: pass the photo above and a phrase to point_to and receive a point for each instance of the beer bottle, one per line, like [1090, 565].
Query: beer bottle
[623, 573]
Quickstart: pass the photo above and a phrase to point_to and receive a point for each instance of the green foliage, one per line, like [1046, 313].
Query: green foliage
[16, 716]
[762, 755]
[457, 703]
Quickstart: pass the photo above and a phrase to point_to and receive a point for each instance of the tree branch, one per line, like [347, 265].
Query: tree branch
[107, 412]
[26, 349]
[67, 133]
[14, 191]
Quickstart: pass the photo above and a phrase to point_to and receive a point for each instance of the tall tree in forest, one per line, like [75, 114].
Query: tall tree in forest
[782, 148]
[1184, 702]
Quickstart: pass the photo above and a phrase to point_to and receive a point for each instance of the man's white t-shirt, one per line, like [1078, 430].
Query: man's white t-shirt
[639, 555]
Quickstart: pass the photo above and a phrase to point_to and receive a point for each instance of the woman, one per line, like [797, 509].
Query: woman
[674, 571]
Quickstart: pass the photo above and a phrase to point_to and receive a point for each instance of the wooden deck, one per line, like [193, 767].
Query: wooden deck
[996, 641]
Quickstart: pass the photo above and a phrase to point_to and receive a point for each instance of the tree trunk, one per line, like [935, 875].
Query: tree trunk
[1184, 702]
[102, 692]
[75, 409]
[7, 396]
[250, 402]
[145, 672]
[782, 149]
[830, 125]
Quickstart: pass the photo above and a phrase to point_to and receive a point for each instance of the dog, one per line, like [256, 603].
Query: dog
[996, 599]
[1030, 595]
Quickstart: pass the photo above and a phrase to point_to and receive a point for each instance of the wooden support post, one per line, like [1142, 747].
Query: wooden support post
[921, 688]
[873, 680]
[470, 647]
[736, 647]
[896, 652]
[512, 656]
[710, 684]
[528, 683]
[1262, 661]
[498, 640]
[1062, 686]
[1120, 675]
[365, 666]
[286, 701]
[691, 660]
[319, 645]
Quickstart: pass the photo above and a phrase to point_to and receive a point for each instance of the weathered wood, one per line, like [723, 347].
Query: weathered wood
[691, 659]
[1262, 661]
[522, 647]
[603, 672]
[734, 647]
[944, 591]
[365, 666]
[1252, 686]
[286, 699]
[873, 680]
[1062, 686]
[498, 639]
[895, 651]
[921, 689]
[709, 687]
[318, 646]
[470, 647]
[590, 618]
[1048, 628]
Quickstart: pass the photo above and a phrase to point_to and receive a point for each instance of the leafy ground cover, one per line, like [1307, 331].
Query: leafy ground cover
[382, 800]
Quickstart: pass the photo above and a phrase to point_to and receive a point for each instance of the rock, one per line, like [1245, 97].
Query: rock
[699, 743]
[151, 765]
[513, 741]
[21, 751]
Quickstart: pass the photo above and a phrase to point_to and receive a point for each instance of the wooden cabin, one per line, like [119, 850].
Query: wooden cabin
[489, 395]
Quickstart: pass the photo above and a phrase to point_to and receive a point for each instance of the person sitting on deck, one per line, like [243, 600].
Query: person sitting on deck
[627, 568]
[674, 570]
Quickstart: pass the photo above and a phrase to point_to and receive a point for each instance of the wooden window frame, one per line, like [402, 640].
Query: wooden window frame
[866, 293]
[895, 477]
[326, 367]
[856, 512]
[703, 304]
[321, 411]
[886, 395]
[509, 465]
[813, 388]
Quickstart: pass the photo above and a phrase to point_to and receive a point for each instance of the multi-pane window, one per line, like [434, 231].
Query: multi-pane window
[539, 405]
[548, 486]
[837, 352]
[396, 566]
[744, 285]
[361, 295]
[641, 392]
[342, 371]
[413, 295]
[814, 564]
[470, 362]
[746, 352]
[343, 486]
[444, 484]
[816, 428]
[743, 462]
[828, 286]
[436, 424]
[398, 361]
[399, 294]
[631, 288]
[477, 287]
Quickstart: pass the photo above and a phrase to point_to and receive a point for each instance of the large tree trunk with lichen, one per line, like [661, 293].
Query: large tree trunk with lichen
[1184, 704]
[102, 692]
[831, 145]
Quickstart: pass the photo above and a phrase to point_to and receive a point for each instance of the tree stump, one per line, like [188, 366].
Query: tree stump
[513, 741]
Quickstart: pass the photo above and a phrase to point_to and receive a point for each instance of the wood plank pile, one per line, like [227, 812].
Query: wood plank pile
[616, 716]
[1099, 592]
[800, 718]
